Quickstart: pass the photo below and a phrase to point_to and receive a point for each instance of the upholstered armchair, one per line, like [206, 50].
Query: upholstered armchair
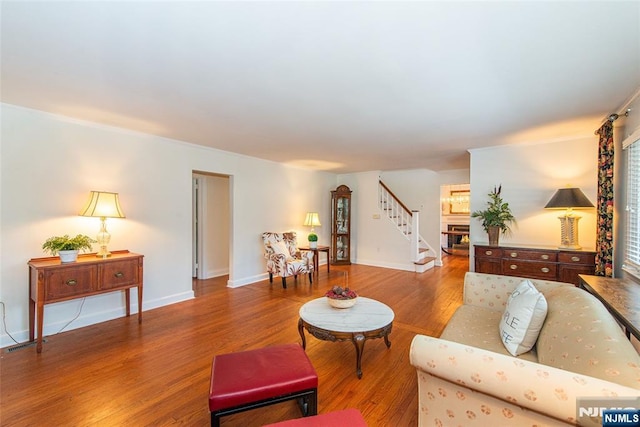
[283, 257]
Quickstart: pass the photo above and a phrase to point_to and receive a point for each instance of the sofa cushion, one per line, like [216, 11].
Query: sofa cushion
[581, 336]
[478, 327]
[522, 318]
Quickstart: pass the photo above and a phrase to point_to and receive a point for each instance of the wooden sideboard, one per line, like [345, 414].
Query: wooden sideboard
[534, 262]
[52, 281]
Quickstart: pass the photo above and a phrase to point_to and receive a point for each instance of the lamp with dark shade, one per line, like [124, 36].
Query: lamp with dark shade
[569, 199]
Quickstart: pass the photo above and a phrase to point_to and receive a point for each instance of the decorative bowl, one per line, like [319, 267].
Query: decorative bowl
[341, 303]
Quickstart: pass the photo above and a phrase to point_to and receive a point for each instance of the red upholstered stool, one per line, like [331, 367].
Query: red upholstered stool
[255, 378]
[344, 418]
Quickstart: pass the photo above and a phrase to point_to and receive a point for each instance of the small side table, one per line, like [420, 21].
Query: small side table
[316, 258]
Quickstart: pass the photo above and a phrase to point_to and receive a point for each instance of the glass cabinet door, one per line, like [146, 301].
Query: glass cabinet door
[340, 225]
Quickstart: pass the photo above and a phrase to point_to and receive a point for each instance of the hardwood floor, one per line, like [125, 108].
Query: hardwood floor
[157, 373]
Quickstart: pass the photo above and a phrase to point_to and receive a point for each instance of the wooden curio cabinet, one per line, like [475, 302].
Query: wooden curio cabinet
[341, 225]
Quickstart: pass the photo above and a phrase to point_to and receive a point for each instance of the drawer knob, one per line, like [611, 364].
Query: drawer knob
[513, 266]
[489, 252]
[71, 282]
[118, 275]
[544, 269]
[514, 254]
[575, 258]
[545, 256]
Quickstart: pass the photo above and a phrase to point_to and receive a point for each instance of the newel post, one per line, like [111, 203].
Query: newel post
[415, 234]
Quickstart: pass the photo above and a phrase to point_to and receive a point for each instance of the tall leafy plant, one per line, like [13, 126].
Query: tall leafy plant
[497, 214]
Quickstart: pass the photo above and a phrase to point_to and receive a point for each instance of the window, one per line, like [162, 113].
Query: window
[632, 224]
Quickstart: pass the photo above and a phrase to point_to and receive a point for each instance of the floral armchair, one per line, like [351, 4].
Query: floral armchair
[283, 257]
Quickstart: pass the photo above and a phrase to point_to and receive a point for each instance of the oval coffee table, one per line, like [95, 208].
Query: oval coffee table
[367, 319]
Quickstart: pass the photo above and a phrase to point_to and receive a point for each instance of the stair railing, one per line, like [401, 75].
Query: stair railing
[396, 211]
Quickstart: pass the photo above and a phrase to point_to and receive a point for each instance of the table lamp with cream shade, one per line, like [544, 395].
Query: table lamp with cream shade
[103, 204]
[569, 198]
[312, 220]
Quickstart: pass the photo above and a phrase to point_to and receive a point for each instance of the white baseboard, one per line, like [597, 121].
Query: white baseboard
[247, 280]
[217, 273]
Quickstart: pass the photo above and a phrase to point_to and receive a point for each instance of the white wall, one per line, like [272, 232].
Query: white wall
[530, 175]
[455, 176]
[50, 163]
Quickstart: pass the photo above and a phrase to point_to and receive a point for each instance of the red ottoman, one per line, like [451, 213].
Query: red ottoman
[255, 378]
[345, 418]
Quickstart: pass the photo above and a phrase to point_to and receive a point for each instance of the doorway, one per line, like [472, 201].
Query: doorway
[454, 219]
[211, 224]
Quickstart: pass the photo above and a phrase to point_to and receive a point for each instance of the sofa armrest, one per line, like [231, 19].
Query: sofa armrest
[504, 381]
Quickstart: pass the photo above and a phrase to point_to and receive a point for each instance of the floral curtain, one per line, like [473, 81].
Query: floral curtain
[604, 235]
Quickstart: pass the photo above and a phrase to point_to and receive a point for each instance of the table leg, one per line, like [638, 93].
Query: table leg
[386, 340]
[40, 319]
[140, 303]
[127, 301]
[301, 332]
[316, 261]
[32, 319]
[358, 341]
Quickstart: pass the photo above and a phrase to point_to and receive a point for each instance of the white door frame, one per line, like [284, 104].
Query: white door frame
[199, 266]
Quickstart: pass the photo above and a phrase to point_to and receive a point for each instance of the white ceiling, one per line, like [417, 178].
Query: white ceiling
[339, 86]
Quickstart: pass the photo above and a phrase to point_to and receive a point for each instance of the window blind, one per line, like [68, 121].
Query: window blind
[631, 262]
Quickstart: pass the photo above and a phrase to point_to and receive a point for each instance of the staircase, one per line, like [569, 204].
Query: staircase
[406, 221]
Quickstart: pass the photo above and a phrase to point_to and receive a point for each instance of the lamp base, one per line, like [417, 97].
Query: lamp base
[575, 247]
[569, 232]
[103, 253]
[103, 238]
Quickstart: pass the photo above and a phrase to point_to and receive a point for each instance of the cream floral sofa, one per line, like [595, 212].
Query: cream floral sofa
[466, 377]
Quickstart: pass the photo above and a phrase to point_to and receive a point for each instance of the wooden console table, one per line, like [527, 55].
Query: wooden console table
[51, 281]
[535, 262]
[620, 296]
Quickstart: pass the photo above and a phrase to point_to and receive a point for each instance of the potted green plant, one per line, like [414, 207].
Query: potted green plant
[67, 247]
[497, 217]
[313, 240]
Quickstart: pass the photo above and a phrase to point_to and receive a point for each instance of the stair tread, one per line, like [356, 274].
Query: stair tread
[425, 260]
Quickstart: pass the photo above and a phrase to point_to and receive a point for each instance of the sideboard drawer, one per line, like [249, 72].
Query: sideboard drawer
[68, 282]
[536, 270]
[577, 258]
[543, 256]
[488, 252]
[118, 274]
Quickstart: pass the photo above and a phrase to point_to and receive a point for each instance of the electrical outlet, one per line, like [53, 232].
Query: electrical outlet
[376, 216]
